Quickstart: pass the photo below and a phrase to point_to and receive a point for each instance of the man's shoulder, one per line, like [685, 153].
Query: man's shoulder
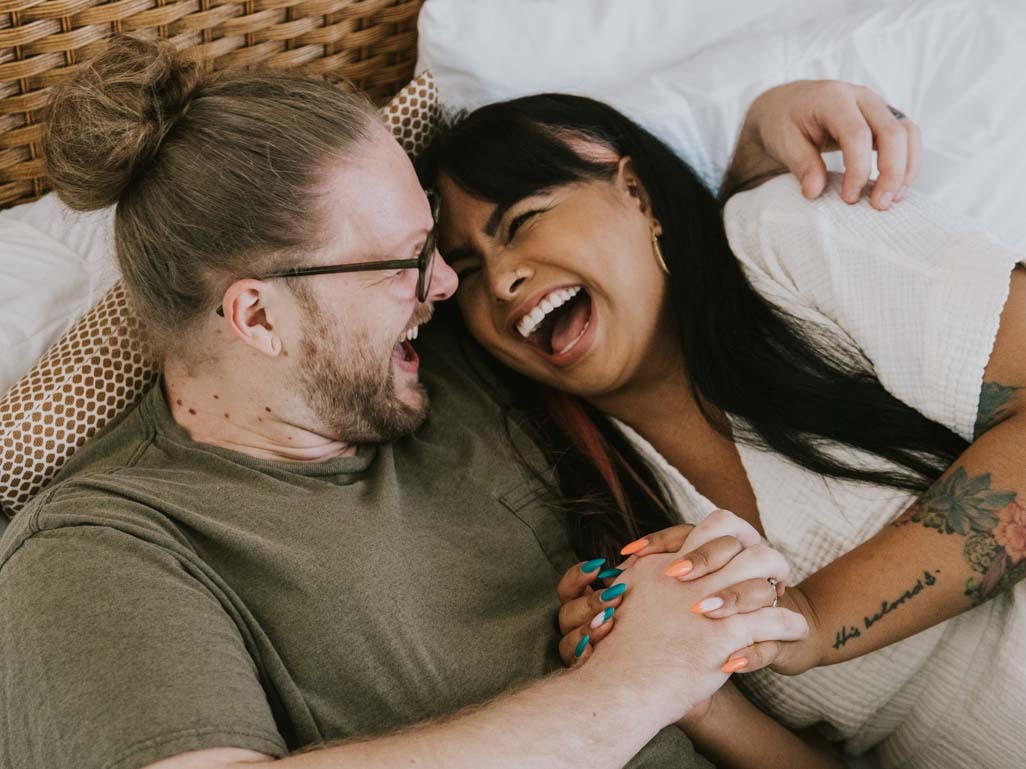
[103, 485]
[118, 467]
[86, 505]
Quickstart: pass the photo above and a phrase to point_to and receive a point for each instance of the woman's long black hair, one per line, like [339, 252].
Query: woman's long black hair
[797, 390]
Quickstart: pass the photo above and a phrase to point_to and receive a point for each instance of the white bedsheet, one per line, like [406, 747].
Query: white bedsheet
[685, 68]
[953, 65]
[54, 265]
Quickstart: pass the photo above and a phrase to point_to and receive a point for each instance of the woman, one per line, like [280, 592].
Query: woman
[846, 381]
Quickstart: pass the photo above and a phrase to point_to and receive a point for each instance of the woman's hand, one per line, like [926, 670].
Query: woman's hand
[786, 657]
[587, 615]
[653, 638]
[788, 127]
[789, 658]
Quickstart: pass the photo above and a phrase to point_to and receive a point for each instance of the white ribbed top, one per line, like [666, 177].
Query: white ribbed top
[920, 291]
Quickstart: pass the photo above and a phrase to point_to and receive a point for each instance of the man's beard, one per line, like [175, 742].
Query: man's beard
[355, 399]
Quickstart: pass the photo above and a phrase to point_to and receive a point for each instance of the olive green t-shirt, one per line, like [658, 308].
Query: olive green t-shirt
[166, 596]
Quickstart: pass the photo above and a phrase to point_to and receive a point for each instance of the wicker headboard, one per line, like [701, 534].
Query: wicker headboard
[371, 43]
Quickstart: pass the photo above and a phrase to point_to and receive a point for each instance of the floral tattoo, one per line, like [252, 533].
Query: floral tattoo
[994, 399]
[993, 523]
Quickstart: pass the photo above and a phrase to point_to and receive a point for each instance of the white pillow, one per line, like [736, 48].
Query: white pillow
[55, 264]
[484, 50]
[955, 66]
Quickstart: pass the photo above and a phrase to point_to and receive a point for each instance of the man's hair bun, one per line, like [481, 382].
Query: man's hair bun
[106, 124]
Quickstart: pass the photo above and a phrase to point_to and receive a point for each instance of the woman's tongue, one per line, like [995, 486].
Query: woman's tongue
[570, 324]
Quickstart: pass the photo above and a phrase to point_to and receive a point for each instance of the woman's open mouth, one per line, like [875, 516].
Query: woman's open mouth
[558, 327]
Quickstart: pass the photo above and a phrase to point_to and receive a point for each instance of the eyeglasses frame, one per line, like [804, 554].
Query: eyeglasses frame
[424, 264]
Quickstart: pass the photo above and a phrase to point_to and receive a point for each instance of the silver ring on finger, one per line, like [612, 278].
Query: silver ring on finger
[776, 598]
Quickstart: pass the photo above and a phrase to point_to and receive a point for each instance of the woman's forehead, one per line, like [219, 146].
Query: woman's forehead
[461, 214]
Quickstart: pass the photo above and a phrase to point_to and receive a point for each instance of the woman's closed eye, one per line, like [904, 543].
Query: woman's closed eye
[520, 219]
[465, 265]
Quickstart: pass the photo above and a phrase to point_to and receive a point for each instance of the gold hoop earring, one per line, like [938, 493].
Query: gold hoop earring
[659, 252]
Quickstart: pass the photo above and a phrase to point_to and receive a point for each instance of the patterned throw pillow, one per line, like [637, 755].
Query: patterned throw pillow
[100, 368]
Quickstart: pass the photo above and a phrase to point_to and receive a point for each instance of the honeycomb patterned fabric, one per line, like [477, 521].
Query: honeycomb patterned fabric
[100, 367]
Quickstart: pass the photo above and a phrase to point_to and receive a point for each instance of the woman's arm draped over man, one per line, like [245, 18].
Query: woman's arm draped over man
[939, 310]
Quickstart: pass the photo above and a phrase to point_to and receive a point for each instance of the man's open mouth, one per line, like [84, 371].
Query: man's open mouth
[558, 322]
[403, 352]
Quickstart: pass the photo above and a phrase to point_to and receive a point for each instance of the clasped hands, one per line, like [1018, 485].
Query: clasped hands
[693, 604]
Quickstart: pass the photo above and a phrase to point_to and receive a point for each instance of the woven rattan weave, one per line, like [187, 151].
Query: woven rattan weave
[370, 43]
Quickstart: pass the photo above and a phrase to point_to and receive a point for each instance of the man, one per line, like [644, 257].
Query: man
[280, 549]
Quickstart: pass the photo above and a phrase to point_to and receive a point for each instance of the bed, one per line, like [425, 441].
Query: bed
[681, 67]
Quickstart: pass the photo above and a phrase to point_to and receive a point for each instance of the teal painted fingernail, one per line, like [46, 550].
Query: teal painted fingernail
[581, 646]
[609, 574]
[613, 592]
[589, 566]
[608, 613]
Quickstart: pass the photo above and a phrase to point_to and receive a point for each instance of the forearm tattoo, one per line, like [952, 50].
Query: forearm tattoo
[993, 523]
[846, 634]
[994, 400]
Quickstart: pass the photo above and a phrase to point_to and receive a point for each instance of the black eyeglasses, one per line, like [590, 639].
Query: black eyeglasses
[424, 263]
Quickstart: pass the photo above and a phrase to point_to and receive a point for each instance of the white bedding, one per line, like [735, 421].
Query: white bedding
[685, 68]
[54, 265]
[955, 66]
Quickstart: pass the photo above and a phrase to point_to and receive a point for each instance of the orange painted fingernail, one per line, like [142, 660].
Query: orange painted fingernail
[733, 666]
[679, 568]
[634, 547]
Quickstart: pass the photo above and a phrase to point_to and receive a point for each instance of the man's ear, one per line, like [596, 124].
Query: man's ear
[628, 181]
[248, 316]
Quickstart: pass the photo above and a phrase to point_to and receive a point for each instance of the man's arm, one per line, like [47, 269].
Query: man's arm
[787, 128]
[662, 660]
[122, 629]
[589, 717]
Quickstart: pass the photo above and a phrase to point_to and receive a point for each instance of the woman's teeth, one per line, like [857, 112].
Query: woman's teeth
[557, 298]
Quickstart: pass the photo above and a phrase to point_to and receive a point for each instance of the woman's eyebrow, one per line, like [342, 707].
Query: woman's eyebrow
[492, 225]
